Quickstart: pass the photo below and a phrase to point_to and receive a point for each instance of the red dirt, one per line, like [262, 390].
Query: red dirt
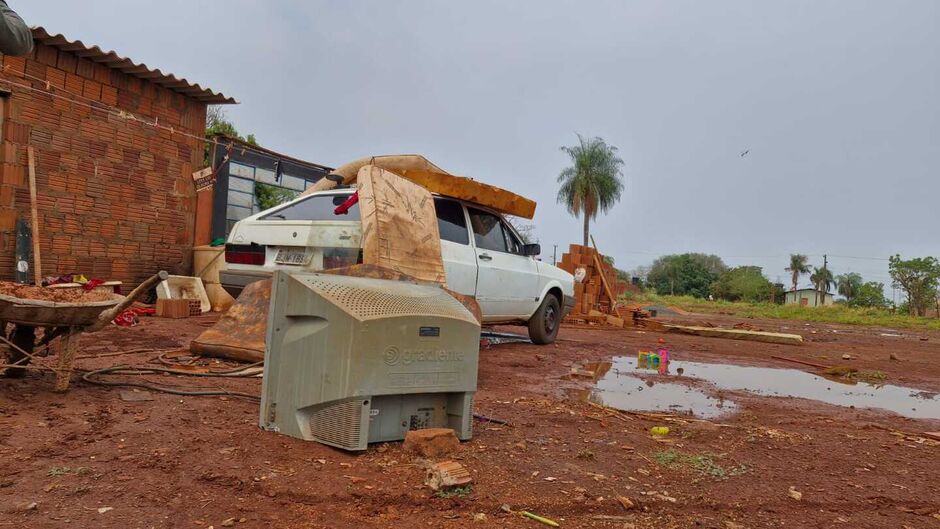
[58, 295]
[196, 462]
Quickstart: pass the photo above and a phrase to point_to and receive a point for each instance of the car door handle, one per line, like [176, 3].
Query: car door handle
[485, 257]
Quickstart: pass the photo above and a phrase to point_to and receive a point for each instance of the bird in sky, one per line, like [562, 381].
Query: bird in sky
[743, 154]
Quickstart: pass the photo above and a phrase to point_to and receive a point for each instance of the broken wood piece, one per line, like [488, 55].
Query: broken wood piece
[600, 270]
[737, 334]
[804, 362]
[932, 435]
[34, 211]
[66, 360]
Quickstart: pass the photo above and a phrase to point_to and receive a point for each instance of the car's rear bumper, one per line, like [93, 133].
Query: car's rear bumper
[567, 305]
[234, 281]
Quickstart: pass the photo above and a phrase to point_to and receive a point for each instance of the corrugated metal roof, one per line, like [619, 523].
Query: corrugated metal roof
[142, 71]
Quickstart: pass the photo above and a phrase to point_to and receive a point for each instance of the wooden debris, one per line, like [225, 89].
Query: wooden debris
[625, 502]
[737, 334]
[803, 362]
[34, 214]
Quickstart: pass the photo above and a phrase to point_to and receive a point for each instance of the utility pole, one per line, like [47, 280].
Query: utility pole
[554, 254]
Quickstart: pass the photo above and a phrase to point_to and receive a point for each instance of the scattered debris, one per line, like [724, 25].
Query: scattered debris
[625, 502]
[135, 395]
[102, 510]
[846, 356]
[659, 430]
[526, 514]
[803, 362]
[493, 420]
[447, 475]
[431, 442]
[932, 435]
[795, 494]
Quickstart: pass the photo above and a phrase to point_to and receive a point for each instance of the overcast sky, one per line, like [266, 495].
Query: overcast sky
[837, 101]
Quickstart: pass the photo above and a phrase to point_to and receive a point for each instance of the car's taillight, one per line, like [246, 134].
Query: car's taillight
[248, 254]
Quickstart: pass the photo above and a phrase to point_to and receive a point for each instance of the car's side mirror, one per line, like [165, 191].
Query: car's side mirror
[531, 249]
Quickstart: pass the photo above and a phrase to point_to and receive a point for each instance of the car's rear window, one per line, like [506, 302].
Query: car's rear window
[316, 207]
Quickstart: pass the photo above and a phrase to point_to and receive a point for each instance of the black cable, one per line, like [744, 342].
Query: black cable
[123, 369]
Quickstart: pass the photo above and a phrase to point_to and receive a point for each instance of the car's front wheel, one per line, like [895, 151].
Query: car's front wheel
[543, 326]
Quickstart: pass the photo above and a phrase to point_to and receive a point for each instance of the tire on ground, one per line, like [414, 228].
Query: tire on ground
[543, 326]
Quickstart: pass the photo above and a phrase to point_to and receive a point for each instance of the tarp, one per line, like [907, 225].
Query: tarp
[421, 171]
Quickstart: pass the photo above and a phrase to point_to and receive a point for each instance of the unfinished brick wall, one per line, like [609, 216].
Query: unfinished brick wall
[116, 198]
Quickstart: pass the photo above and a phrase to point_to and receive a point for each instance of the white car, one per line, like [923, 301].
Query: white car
[483, 256]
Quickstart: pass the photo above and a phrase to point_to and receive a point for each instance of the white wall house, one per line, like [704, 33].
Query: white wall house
[809, 297]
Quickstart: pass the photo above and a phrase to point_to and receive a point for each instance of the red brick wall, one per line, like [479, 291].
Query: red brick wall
[116, 198]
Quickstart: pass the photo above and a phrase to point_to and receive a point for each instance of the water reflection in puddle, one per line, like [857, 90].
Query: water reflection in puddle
[627, 388]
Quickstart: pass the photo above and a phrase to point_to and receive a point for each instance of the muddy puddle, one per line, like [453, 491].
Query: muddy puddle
[621, 385]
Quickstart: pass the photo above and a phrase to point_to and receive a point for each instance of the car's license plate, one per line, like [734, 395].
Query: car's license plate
[291, 256]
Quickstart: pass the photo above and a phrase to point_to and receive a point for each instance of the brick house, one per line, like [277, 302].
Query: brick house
[115, 145]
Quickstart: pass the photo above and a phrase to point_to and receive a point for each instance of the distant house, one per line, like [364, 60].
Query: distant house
[809, 297]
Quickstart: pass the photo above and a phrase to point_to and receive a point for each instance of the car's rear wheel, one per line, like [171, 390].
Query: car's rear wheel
[543, 326]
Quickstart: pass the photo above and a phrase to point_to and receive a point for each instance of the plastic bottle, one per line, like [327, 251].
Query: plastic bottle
[663, 353]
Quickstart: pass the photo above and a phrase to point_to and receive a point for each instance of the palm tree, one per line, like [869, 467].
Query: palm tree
[798, 266]
[823, 280]
[593, 182]
[848, 284]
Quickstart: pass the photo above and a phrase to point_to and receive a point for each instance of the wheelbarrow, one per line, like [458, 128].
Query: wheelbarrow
[65, 320]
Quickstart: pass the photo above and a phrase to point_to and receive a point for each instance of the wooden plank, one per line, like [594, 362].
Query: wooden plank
[421, 171]
[803, 362]
[737, 334]
[67, 349]
[37, 262]
[600, 270]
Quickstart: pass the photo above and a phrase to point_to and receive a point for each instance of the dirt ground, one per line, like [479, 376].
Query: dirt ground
[92, 459]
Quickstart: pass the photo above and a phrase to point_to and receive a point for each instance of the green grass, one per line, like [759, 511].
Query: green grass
[834, 314]
[455, 492]
[706, 464]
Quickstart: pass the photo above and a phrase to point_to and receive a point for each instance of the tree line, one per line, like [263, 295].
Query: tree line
[707, 276]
